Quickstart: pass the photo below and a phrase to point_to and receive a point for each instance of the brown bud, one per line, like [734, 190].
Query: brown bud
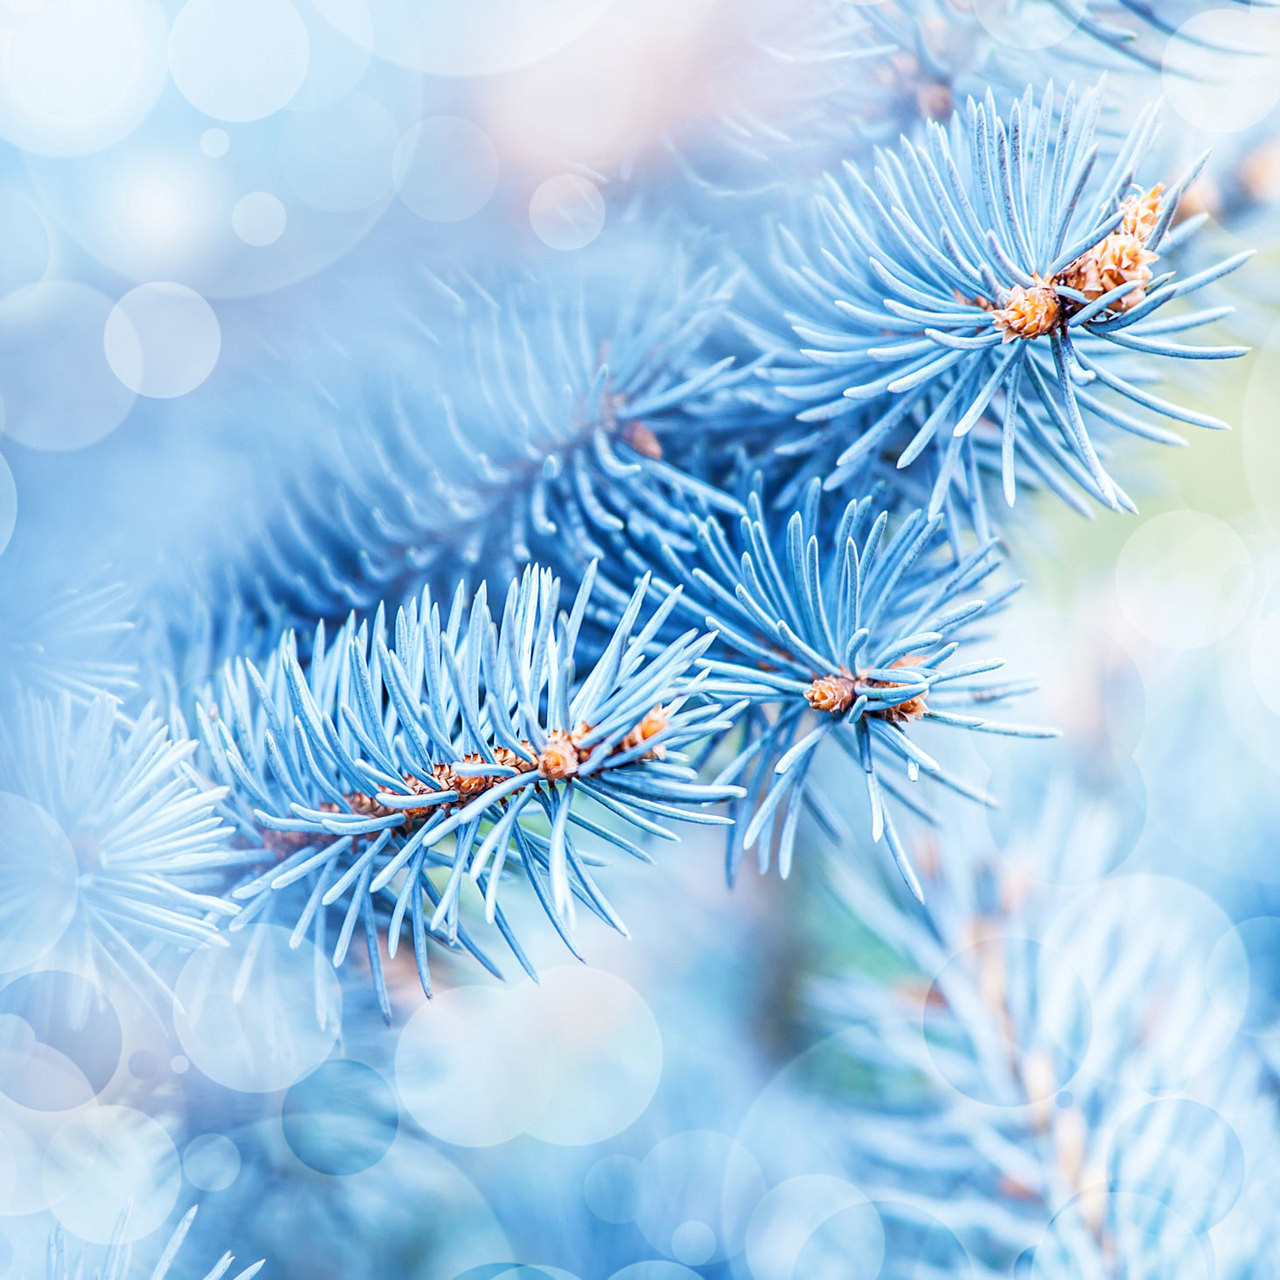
[559, 759]
[1029, 313]
[643, 439]
[833, 694]
[653, 724]
[1141, 213]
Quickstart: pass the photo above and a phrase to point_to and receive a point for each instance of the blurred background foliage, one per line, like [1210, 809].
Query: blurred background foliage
[228, 231]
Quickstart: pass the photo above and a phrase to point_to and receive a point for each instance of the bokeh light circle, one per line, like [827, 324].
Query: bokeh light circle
[603, 1049]
[106, 1160]
[211, 1162]
[24, 1137]
[572, 1060]
[238, 60]
[1193, 972]
[445, 168]
[786, 1127]
[916, 1243]
[38, 869]
[463, 1070]
[151, 214]
[844, 1243]
[162, 340]
[341, 1118]
[420, 1217]
[693, 1242]
[246, 1014]
[259, 218]
[1213, 86]
[1184, 579]
[694, 1180]
[1019, 995]
[790, 1213]
[567, 212]
[163, 210]
[58, 390]
[80, 74]
[1071, 811]
[61, 1040]
[1181, 1153]
[1136, 1227]
[215, 143]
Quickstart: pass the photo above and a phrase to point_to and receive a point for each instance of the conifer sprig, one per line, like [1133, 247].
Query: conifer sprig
[983, 294]
[461, 742]
[840, 630]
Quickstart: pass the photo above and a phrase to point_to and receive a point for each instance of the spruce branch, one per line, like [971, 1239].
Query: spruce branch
[464, 743]
[982, 299]
[840, 628]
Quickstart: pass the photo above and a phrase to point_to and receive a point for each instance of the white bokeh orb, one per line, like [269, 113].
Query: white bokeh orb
[1184, 579]
[211, 1162]
[25, 1135]
[1195, 977]
[1222, 69]
[603, 1051]
[463, 1070]
[338, 62]
[162, 340]
[259, 218]
[786, 1218]
[259, 1014]
[79, 75]
[215, 143]
[696, 1192]
[567, 212]
[238, 60]
[445, 168]
[106, 1160]
[59, 392]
